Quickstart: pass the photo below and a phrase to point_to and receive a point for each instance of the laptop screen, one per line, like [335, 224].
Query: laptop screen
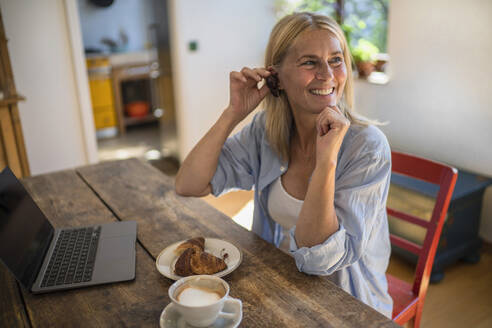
[25, 233]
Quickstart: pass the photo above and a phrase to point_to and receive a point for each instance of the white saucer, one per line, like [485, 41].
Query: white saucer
[167, 258]
[170, 318]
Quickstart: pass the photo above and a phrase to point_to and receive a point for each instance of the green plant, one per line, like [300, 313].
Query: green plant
[364, 51]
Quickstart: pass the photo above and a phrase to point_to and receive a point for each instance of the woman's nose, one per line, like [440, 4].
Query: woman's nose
[324, 72]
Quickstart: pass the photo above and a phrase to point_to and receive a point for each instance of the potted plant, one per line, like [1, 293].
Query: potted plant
[364, 54]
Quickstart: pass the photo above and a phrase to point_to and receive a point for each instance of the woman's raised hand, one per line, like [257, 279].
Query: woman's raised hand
[244, 92]
[332, 126]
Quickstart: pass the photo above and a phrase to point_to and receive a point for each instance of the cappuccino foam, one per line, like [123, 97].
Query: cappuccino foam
[197, 296]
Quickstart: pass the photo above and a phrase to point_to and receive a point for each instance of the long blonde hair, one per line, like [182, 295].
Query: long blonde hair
[279, 120]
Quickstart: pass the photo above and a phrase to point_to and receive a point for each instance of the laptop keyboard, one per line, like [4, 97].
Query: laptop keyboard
[73, 258]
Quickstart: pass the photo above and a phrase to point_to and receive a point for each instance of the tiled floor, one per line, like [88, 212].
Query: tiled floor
[137, 142]
[147, 141]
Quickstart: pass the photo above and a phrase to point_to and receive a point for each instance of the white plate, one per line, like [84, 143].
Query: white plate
[170, 318]
[167, 258]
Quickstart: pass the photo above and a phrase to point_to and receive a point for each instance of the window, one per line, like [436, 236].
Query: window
[365, 23]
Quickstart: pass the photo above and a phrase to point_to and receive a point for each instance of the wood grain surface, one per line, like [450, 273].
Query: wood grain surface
[273, 292]
[12, 311]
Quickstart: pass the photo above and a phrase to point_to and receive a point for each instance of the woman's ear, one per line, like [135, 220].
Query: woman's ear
[280, 87]
[273, 82]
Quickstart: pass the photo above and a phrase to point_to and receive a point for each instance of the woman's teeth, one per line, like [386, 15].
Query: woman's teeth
[322, 92]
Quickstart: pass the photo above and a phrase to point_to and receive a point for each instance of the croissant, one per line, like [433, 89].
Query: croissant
[182, 266]
[194, 260]
[197, 243]
[206, 263]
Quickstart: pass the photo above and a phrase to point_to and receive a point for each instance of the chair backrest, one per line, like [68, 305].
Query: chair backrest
[445, 177]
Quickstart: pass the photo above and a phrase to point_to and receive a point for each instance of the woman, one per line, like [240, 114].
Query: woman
[318, 170]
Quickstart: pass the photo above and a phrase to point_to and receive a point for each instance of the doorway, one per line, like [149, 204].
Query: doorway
[127, 53]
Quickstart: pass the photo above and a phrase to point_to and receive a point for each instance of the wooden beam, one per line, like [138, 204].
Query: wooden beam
[9, 142]
[19, 140]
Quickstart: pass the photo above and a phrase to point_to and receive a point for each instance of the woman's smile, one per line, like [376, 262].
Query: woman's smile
[323, 97]
[322, 92]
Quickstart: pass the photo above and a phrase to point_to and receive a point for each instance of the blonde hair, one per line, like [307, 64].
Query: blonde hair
[279, 120]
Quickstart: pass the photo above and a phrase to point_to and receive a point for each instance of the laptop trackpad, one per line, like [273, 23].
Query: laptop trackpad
[115, 259]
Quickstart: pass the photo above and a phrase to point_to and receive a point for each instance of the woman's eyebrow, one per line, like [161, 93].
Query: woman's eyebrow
[306, 56]
[314, 56]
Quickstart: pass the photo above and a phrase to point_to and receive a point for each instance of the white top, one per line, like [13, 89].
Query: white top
[283, 208]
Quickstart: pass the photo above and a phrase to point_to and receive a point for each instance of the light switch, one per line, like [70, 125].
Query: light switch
[193, 46]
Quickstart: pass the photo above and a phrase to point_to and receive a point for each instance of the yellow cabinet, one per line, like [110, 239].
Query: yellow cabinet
[100, 85]
[104, 117]
[101, 92]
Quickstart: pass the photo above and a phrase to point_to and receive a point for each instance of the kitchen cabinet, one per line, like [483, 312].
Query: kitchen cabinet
[136, 85]
[100, 84]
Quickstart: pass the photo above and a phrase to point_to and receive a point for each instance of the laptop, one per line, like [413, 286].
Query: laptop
[44, 259]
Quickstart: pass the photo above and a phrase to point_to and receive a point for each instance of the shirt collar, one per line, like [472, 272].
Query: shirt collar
[271, 167]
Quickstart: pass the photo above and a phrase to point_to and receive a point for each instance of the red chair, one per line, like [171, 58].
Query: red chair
[409, 299]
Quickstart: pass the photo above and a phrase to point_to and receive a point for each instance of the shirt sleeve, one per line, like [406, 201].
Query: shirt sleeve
[235, 169]
[360, 204]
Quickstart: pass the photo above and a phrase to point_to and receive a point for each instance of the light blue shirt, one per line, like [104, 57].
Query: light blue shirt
[357, 255]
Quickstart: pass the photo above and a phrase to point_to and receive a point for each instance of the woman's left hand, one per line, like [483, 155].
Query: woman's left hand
[331, 125]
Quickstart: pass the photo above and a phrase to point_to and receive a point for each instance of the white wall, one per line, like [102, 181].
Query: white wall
[439, 98]
[230, 35]
[42, 62]
[133, 16]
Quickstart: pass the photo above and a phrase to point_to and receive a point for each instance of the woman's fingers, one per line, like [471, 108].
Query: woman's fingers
[256, 74]
[320, 124]
[336, 109]
[249, 75]
[237, 76]
[248, 72]
[246, 91]
[328, 117]
[324, 122]
[264, 90]
[263, 72]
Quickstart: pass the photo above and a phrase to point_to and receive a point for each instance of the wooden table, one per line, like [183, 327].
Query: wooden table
[273, 292]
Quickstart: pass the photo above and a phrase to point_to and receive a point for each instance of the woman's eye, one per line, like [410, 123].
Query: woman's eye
[309, 63]
[336, 60]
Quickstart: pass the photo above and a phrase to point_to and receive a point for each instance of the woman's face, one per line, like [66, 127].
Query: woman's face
[313, 72]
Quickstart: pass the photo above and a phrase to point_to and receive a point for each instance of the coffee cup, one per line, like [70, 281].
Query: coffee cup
[200, 299]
